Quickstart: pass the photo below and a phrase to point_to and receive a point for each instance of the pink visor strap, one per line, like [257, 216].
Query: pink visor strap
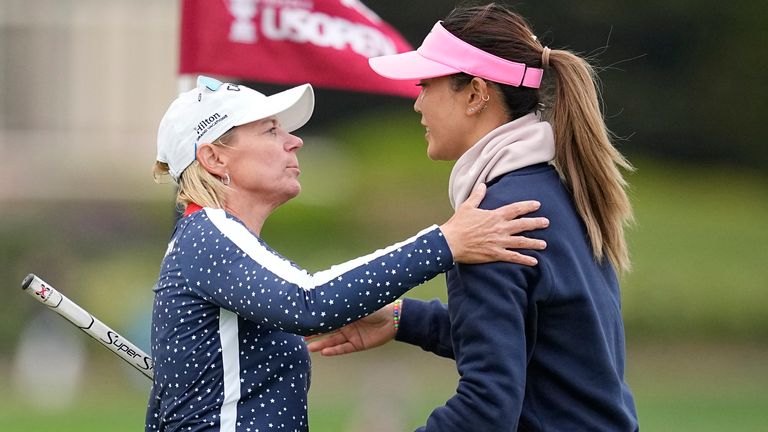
[443, 47]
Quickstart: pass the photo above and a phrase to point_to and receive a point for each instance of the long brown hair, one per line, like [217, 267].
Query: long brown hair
[585, 157]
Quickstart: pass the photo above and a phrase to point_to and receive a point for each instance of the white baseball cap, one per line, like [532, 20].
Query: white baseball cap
[206, 112]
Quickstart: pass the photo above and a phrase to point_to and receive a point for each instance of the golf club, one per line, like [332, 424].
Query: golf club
[49, 296]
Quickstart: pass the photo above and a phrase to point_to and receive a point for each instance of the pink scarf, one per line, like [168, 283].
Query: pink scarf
[517, 144]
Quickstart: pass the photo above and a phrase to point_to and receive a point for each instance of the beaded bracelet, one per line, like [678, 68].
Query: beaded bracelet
[396, 307]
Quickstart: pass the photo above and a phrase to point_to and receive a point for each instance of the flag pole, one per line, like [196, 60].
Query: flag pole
[184, 82]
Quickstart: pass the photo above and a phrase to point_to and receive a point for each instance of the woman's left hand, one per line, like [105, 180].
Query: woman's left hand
[478, 236]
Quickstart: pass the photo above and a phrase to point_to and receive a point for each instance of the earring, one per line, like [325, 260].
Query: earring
[485, 99]
[226, 180]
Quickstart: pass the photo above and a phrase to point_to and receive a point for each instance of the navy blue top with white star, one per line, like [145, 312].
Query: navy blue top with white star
[228, 311]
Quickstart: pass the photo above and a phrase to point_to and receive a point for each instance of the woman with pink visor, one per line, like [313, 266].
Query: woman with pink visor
[536, 348]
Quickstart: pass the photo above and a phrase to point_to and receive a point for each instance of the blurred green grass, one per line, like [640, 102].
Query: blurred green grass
[678, 387]
[700, 253]
[695, 306]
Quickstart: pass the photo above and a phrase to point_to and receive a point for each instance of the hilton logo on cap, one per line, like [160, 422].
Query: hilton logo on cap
[204, 126]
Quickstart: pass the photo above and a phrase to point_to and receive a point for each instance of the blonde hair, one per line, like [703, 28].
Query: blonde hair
[196, 185]
[585, 158]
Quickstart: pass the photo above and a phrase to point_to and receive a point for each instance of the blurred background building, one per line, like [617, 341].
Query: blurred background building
[84, 84]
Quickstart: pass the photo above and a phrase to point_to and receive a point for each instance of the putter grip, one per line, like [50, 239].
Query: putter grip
[27, 280]
[46, 294]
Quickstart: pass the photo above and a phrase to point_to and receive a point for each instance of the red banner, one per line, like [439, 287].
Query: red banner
[323, 42]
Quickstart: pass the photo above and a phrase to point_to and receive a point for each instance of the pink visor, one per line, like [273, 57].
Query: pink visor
[443, 54]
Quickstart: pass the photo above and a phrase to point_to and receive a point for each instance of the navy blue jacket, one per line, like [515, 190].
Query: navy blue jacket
[537, 348]
[228, 310]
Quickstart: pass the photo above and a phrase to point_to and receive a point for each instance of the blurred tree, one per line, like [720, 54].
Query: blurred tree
[684, 79]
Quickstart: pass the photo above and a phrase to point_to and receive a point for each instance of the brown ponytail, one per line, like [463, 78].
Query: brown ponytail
[586, 159]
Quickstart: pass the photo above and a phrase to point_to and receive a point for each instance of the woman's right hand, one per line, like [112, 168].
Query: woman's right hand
[369, 332]
[479, 236]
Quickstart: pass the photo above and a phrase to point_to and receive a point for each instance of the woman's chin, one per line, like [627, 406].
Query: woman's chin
[432, 153]
[294, 191]
[436, 155]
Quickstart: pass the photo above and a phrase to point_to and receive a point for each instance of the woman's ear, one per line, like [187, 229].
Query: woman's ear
[477, 95]
[212, 159]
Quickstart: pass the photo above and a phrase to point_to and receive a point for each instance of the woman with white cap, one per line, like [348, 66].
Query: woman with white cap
[537, 348]
[228, 309]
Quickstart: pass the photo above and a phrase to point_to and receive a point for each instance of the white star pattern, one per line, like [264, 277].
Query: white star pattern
[214, 265]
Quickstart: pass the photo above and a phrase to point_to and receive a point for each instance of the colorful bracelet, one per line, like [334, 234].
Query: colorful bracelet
[396, 310]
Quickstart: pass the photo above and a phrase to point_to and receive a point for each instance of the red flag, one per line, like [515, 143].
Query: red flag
[324, 42]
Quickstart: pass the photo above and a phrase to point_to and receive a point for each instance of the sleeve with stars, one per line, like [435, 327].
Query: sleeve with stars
[232, 268]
